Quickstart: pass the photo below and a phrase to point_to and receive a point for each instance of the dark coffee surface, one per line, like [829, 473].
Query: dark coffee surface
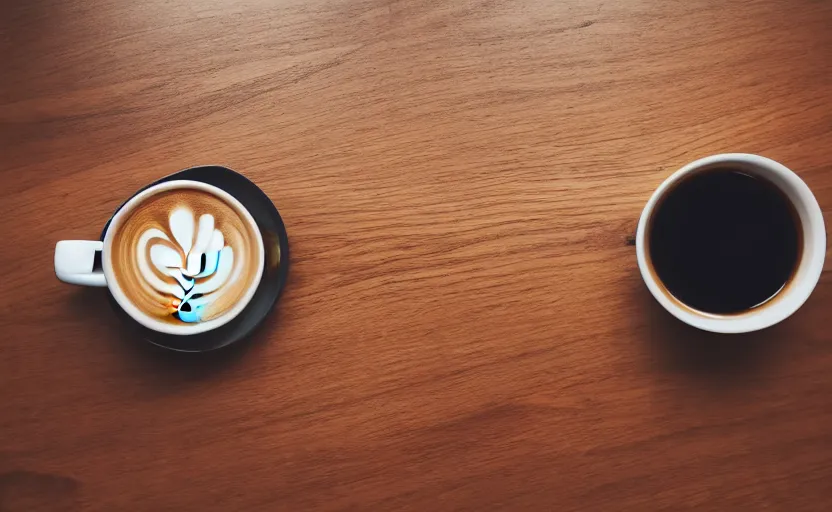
[724, 241]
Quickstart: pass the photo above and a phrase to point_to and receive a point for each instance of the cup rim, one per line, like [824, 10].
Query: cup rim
[157, 325]
[806, 274]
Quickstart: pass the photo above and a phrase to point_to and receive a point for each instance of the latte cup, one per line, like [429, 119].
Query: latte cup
[809, 265]
[171, 267]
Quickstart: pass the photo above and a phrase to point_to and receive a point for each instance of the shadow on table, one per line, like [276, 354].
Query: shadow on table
[185, 366]
[718, 358]
[170, 367]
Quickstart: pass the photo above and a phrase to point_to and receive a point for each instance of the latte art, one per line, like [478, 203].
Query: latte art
[185, 256]
[205, 256]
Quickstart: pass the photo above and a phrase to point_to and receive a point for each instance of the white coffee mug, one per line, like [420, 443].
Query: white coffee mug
[74, 261]
[809, 267]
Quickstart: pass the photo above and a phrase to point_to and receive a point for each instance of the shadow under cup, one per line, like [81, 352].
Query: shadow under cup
[811, 241]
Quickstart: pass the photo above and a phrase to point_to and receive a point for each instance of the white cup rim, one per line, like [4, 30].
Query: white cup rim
[809, 268]
[158, 325]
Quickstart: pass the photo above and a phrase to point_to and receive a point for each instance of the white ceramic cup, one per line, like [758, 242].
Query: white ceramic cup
[808, 270]
[74, 261]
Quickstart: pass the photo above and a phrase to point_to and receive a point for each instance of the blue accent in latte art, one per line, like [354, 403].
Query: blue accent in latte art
[192, 316]
[199, 275]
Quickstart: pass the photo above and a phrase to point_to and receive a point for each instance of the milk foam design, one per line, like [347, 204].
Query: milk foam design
[200, 265]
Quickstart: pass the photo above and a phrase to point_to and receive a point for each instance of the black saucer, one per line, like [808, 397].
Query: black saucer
[275, 272]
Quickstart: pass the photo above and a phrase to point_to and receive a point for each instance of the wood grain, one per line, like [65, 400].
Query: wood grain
[464, 326]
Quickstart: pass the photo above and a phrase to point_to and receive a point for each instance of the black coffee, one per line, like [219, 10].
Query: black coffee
[722, 241]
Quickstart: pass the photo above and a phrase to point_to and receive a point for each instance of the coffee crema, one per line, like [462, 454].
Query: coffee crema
[184, 256]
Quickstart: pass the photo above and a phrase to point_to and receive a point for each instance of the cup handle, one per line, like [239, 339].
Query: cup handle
[75, 261]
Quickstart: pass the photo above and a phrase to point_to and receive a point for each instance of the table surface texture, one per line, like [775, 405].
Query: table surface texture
[464, 326]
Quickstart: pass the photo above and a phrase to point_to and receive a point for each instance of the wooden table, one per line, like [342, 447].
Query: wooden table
[464, 326]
